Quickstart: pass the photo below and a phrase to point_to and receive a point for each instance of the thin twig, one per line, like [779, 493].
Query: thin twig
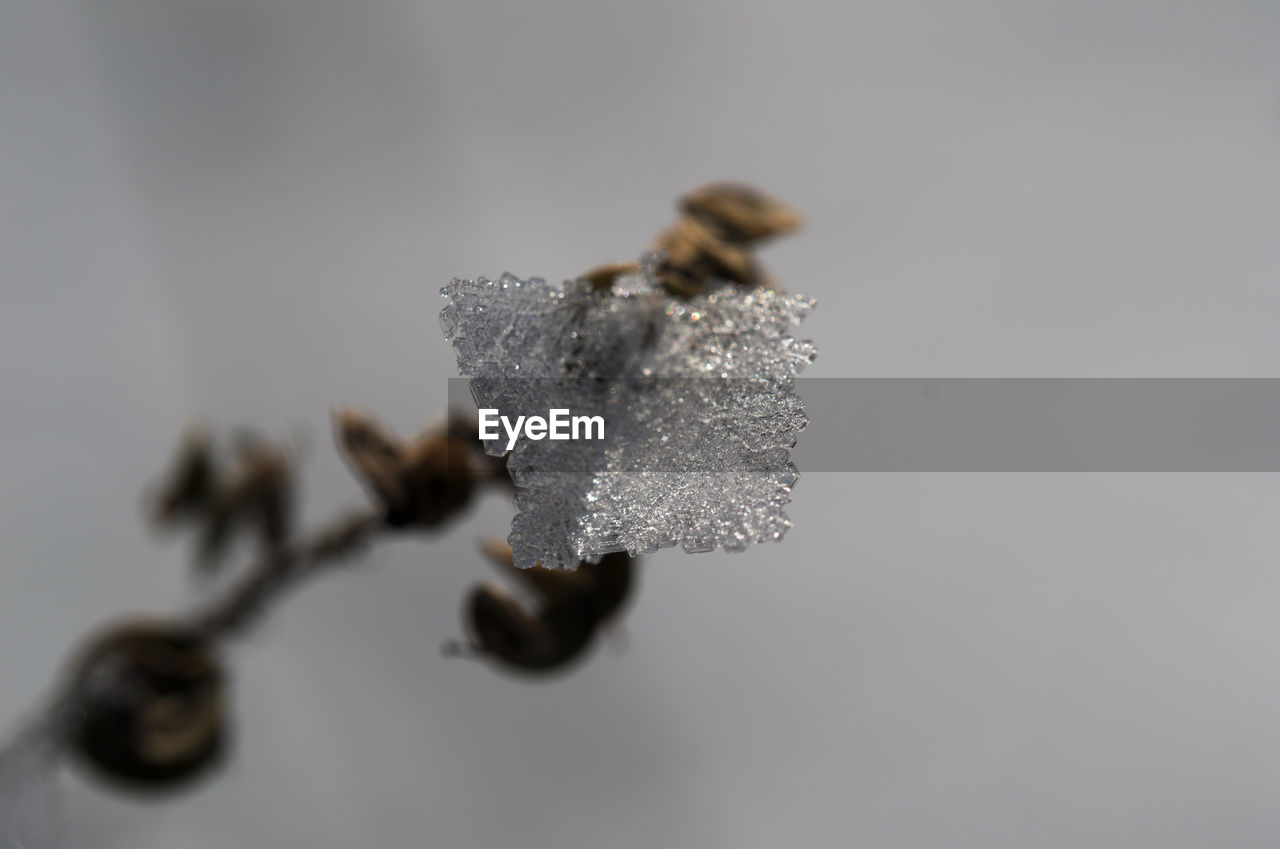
[128, 687]
[250, 596]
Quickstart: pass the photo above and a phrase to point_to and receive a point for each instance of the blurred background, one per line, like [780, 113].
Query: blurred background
[244, 209]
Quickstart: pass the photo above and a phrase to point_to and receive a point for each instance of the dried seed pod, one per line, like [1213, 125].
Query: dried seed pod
[440, 477]
[421, 483]
[149, 703]
[740, 214]
[569, 608]
[268, 489]
[683, 271]
[374, 452]
[695, 250]
[715, 237]
[528, 642]
[258, 493]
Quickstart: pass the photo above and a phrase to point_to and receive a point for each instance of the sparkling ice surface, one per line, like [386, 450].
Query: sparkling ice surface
[697, 396]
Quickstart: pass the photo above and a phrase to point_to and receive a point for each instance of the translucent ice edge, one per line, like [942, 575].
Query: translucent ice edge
[732, 432]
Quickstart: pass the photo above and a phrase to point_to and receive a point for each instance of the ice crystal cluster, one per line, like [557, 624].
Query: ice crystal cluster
[697, 396]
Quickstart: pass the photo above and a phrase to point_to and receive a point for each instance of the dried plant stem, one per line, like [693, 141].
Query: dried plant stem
[143, 702]
[283, 568]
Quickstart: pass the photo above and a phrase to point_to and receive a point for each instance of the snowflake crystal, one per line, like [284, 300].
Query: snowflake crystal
[697, 396]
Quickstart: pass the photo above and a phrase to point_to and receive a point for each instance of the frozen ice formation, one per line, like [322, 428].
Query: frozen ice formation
[697, 397]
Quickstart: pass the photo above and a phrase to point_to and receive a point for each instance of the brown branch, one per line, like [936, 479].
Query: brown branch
[282, 569]
[143, 701]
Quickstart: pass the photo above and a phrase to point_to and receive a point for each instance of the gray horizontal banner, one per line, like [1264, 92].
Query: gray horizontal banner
[961, 425]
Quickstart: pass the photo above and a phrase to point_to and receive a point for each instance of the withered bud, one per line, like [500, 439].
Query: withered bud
[375, 454]
[420, 483]
[570, 606]
[256, 494]
[188, 486]
[715, 237]
[149, 706]
[694, 255]
[522, 641]
[740, 214]
[441, 475]
[265, 486]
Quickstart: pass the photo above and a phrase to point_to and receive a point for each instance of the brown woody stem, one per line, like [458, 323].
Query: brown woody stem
[280, 570]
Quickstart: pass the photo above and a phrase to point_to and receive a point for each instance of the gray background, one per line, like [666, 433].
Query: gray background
[245, 208]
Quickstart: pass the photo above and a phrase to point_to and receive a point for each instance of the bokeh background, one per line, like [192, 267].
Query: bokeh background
[244, 209]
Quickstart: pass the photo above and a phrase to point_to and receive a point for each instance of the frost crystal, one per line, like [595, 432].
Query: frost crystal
[697, 397]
